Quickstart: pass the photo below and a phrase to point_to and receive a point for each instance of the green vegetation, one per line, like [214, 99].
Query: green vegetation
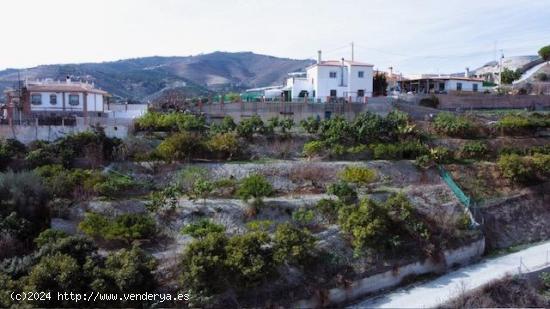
[474, 150]
[311, 124]
[343, 191]
[202, 228]
[254, 186]
[451, 125]
[125, 227]
[358, 175]
[544, 53]
[179, 146]
[511, 122]
[153, 121]
[508, 76]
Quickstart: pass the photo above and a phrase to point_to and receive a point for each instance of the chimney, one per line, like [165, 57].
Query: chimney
[467, 74]
[319, 56]
[68, 79]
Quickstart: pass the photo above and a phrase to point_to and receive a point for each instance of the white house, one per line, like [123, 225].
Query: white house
[56, 97]
[328, 81]
[431, 83]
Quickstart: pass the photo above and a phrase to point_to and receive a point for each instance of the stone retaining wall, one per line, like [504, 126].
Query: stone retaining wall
[362, 287]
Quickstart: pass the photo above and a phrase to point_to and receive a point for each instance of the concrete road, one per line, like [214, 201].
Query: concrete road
[432, 293]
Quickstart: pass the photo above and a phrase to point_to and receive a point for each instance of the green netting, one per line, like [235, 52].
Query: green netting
[462, 197]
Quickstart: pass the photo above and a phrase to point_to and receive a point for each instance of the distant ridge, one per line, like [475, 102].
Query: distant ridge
[143, 79]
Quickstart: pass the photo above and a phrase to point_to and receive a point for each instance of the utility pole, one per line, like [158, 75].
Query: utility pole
[352, 52]
[500, 68]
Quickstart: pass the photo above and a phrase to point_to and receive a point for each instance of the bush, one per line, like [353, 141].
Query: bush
[49, 236]
[224, 145]
[153, 121]
[250, 258]
[451, 125]
[125, 227]
[398, 151]
[343, 191]
[441, 155]
[163, 200]
[303, 217]
[203, 262]
[255, 186]
[114, 184]
[541, 163]
[227, 125]
[329, 209]
[10, 149]
[311, 124]
[543, 77]
[250, 126]
[474, 150]
[359, 175]
[313, 148]
[180, 146]
[202, 228]
[544, 53]
[131, 270]
[517, 121]
[293, 245]
[516, 168]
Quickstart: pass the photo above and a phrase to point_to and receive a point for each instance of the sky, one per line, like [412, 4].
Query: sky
[412, 36]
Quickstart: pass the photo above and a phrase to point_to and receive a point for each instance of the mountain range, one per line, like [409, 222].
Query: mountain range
[144, 79]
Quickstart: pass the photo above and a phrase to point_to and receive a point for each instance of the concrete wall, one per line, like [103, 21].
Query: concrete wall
[27, 134]
[481, 101]
[362, 287]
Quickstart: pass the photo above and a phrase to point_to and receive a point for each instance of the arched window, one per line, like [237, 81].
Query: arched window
[53, 99]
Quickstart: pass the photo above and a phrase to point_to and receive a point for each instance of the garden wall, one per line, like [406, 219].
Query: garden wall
[360, 288]
[29, 133]
[452, 102]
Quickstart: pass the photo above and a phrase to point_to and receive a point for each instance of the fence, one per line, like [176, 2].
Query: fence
[462, 197]
[295, 110]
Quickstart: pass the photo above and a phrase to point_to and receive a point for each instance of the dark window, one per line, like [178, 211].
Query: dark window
[53, 99]
[441, 86]
[360, 93]
[333, 93]
[36, 99]
[360, 74]
[458, 86]
[303, 94]
[332, 74]
[475, 87]
[74, 99]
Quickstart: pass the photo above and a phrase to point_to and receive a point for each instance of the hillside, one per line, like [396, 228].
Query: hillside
[144, 79]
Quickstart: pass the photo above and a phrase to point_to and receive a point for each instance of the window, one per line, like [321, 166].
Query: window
[475, 87]
[74, 99]
[458, 86]
[360, 74]
[360, 93]
[333, 93]
[332, 74]
[53, 99]
[441, 86]
[36, 99]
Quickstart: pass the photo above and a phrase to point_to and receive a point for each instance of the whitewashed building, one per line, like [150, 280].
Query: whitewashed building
[327, 81]
[431, 83]
[49, 97]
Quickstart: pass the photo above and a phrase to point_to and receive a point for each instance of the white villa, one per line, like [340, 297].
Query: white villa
[324, 81]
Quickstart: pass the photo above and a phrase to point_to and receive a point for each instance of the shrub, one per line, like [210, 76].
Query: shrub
[359, 175]
[114, 184]
[227, 125]
[202, 228]
[474, 150]
[303, 217]
[125, 227]
[49, 236]
[250, 258]
[543, 77]
[541, 163]
[201, 189]
[336, 130]
[180, 146]
[329, 209]
[343, 191]
[153, 121]
[311, 124]
[165, 199]
[250, 126]
[205, 270]
[441, 155]
[398, 151]
[255, 186]
[224, 145]
[131, 270]
[293, 245]
[186, 178]
[516, 121]
[367, 225]
[515, 168]
[451, 125]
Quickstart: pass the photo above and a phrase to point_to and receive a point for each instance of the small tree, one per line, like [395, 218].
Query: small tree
[254, 186]
[293, 245]
[508, 76]
[202, 228]
[201, 189]
[544, 53]
[343, 191]
[224, 144]
[311, 124]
